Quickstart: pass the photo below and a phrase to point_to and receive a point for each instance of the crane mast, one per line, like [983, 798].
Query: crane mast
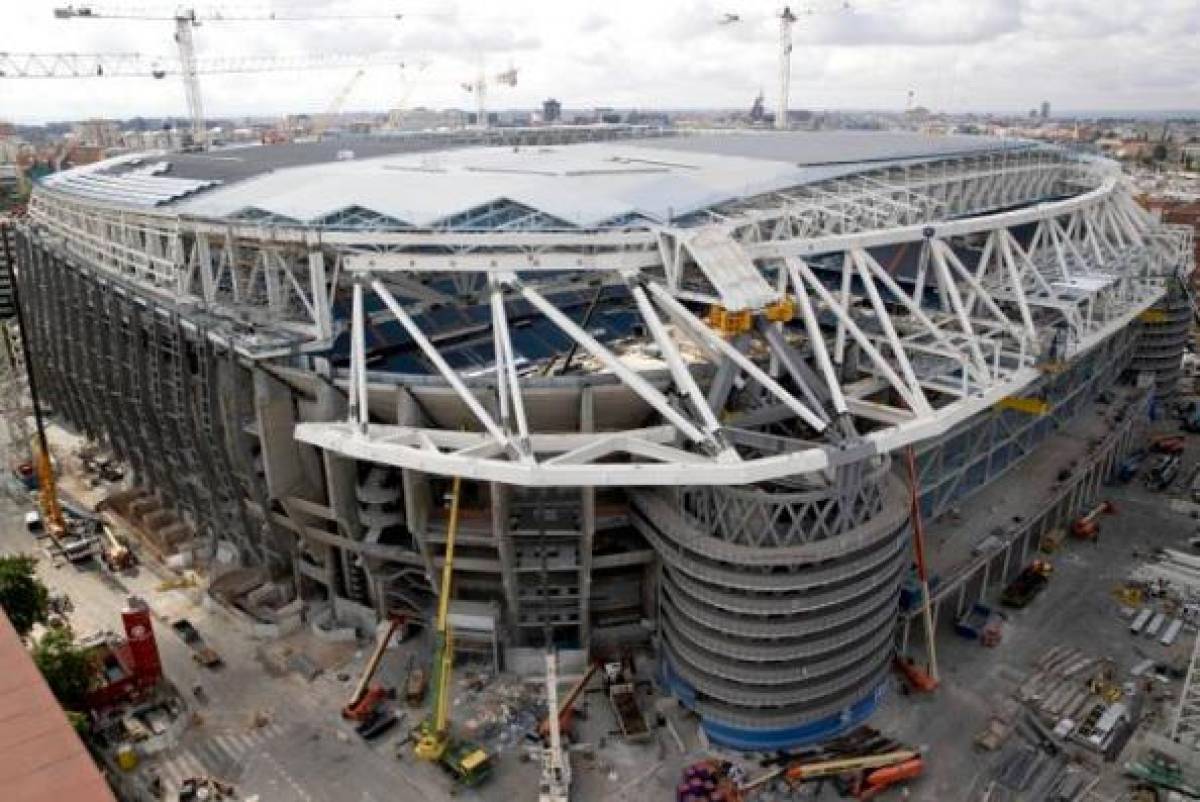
[786, 20]
[335, 106]
[480, 87]
[191, 78]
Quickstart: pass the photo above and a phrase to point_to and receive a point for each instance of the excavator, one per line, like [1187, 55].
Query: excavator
[367, 697]
[468, 763]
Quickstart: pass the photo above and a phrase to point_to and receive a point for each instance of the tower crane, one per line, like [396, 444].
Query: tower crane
[787, 18]
[186, 20]
[480, 86]
[335, 106]
[136, 65]
[468, 763]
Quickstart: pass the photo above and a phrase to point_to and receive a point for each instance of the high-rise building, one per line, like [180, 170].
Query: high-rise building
[551, 111]
[1045, 109]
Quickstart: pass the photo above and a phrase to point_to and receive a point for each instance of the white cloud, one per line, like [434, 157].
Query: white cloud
[979, 54]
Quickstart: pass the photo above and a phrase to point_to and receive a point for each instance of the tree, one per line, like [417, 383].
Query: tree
[66, 668]
[22, 595]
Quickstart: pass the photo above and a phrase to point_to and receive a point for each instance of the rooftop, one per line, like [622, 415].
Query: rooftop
[41, 757]
[410, 183]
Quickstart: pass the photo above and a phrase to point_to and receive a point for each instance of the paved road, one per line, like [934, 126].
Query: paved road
[304, 753]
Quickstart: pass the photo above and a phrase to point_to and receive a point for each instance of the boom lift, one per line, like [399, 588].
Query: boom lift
[366, 697]
[556, 766]
[566, 708]
[800, 772]
[468, 763]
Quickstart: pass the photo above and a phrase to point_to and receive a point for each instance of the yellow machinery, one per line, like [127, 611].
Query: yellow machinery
[781, 311]
[466, 762]
[1030, 406]
[52, 515]
[728, 322]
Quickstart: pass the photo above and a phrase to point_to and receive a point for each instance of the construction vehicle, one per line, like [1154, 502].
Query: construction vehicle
[202, 653]
[1163, 471]
[802, 771]
[915, 680]
[467, 763]
[874, 782]
[366, 697]
[1087, 526]
[555, 784]
[622, 696]
[415, 685]
[1027, 584]
[115, 554]
[566, 708]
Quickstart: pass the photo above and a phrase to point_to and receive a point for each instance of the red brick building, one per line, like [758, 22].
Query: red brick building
[41, 757]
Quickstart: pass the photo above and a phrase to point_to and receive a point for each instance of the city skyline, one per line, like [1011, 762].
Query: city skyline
[994, 55]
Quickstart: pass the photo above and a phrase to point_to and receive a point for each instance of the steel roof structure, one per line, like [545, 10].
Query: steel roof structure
[954, 272]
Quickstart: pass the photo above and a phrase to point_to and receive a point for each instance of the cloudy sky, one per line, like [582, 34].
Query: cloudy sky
[1004, 55]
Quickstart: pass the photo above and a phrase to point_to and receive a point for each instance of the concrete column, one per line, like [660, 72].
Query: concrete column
[587, 419]
[416, 487]
[501, 495]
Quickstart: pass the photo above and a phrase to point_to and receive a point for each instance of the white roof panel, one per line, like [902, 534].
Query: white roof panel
[582, 184]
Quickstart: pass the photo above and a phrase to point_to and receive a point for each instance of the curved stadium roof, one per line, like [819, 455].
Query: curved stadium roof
[587, 185]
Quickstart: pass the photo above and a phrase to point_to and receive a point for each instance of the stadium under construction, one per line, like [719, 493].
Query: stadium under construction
[679, 375]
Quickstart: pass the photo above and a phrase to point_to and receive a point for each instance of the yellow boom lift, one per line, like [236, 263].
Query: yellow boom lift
[466, 762]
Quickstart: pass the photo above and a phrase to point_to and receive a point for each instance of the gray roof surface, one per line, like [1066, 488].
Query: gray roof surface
[835, 147]
[421, 182]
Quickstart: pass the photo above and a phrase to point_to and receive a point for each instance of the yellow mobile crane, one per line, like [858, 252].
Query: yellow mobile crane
[467, 762]
[53, 521]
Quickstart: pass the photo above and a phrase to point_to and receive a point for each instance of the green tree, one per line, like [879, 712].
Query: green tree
[66, 668]
[22, 595]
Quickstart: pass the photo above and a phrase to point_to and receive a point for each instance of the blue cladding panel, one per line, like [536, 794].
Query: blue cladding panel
[752, 739]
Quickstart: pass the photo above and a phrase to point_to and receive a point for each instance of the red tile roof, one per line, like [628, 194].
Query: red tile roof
[41, 757]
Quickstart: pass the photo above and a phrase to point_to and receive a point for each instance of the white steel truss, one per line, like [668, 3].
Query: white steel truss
[1001, 285]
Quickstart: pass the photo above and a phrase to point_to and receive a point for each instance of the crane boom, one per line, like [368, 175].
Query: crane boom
[138, 65]
[205, 14]
[433, 741]
[556, 766]
[335, 107]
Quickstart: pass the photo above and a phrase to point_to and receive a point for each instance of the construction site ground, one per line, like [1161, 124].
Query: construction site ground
[1078, 609]
[278, 735]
